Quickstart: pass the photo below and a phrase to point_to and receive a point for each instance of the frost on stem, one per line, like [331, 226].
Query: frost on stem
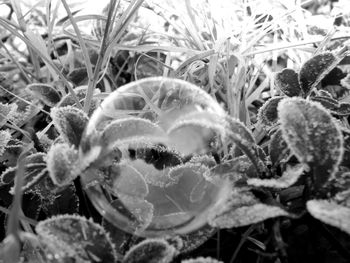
[313, 136]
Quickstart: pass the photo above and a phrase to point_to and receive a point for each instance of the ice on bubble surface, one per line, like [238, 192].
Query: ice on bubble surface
[137, 146]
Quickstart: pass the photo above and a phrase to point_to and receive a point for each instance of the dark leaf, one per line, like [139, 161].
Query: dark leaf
[65, 201]
[313, 136]
[45, 92]
[7, 112]
[196, 238]
[315, 69]
[70, 123]
[287, 81]
[73, 238]
[334, 77]
[151, 251]
[267, 114]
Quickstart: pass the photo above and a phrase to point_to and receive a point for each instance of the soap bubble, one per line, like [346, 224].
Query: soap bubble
[146, 150]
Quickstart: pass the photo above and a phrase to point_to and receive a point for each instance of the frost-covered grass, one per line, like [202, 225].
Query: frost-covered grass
[279, 72]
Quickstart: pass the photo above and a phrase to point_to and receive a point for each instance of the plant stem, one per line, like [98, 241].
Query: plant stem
[243, 240]
[280, 245]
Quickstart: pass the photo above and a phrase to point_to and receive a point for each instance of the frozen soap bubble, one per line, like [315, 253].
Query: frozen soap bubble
[147, 150]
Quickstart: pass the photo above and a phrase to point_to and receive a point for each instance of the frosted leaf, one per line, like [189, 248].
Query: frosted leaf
[237, 127]
[61, 160]
[242, 137]
[327, 102]
[35, 170]
[315, 69]
[5, 137]
[287, 81]
[267, 114]
[313, 136]
[130, 130]
[278, 148]
[247, 215]
[288, 178]
[201, 260]
[166, 131]
[45, 92]
[74, 238]
[70, 123]
[7, 111]
[330, 213]
[336, 108]
[196, 238]
[152, 251]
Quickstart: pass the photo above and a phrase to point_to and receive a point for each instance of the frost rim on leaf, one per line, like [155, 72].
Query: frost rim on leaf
[283, 114]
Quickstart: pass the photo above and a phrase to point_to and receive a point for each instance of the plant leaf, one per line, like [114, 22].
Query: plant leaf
[151, 250]
[315, 69]
[288, 178]
[267, 114]
[70, 123]
[7, 112]
[278, 148]
[240, 135]
[5, 137]
[130, 130]
[336, 108]
[342, 110]
[61, 160]
[247, 215]
[74, 238]
[65, 201]
[45, 92]
[196, 238]
[313, 136]
[330, 213]
[327, 102]
[287, 81]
